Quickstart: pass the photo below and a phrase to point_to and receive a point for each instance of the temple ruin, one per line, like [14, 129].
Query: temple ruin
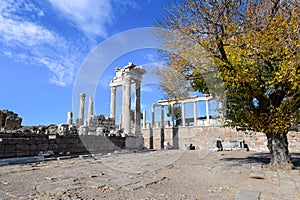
[130, 74]
[101, 125]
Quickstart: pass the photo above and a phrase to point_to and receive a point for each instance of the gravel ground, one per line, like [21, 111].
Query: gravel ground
[150, 175]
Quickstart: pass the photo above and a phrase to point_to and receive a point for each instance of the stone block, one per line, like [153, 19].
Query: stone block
[32, 147]
[3, 141]
[3, 195]
[51, 141]
[9, 154]
[134, 142]
[2, 147]
[42, 147]
[247, 194]
[62, 146]
[74, 141]
[269, 196]
[22, 141]
[10, 148]
[287, 185]
[40, 141]
[11, 141]
[22, 147]
[22, 153]
[80, 146]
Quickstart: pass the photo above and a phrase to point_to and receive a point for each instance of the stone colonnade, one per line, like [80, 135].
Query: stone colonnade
[81, 120]
[125, 77]
[163, 103]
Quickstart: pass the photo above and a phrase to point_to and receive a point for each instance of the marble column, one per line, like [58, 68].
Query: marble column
[126, 105]
[91, 108]
[207, 113]
[153, 115]
[195, 113]
[182, 114]
[144, 119]
[162, 116]
[172, 115]
[70, 118]
[81, 109]
[137, 107]
[112, 102]
[221, 111]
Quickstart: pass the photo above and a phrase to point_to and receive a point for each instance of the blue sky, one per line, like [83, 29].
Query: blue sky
[44, 45]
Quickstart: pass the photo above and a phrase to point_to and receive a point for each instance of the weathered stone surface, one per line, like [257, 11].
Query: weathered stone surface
[247, 194]
[51, 129]
[9, 120]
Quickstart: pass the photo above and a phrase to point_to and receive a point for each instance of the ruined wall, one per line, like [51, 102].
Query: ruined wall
[31, 145]
[206, 136]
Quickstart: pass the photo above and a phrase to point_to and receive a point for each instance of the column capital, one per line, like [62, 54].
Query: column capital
[113, 88]
[82, 96]
[127, 79]
[138, 82]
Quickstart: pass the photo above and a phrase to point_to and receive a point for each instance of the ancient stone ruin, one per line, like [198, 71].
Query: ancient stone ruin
[130, 74]
[9, 120]
[101, 125]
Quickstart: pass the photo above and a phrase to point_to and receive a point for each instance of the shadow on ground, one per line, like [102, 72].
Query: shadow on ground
[262, 158]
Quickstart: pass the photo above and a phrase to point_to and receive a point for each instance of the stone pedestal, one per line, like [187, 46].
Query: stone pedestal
[132, 142]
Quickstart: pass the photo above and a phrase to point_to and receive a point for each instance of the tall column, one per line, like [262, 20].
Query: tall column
[221, 111]
[126, 105]
[195, 113]
[81, 109]
[182, 114]
[70, 118]
[113, 102]
[162, 117]
[144, 119]
[207, 112]
[153, 115]
[137, 107]
[91, 108]
[172, 115]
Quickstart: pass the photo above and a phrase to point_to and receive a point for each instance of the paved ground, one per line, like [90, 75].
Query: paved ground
[151, 175]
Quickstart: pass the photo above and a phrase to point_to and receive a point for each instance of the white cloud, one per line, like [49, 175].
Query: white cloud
[26, 41]
[26, 38]
[145, 88]
[91, 16]
[24, 32]
[94, 17]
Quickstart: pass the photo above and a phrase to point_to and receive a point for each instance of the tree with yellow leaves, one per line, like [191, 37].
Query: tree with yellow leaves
[243, 52]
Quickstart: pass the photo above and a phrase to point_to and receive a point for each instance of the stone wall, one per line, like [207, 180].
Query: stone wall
[205, 137]
[31, 145]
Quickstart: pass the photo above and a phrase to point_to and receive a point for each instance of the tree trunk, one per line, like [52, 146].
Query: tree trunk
[279, 152]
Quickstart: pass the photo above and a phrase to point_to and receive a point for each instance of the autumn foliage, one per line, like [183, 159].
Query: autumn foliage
[253, 47]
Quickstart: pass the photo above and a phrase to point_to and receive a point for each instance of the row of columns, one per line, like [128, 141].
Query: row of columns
[125, 77]
[81, 110]
[182, 114]
[126, 105]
